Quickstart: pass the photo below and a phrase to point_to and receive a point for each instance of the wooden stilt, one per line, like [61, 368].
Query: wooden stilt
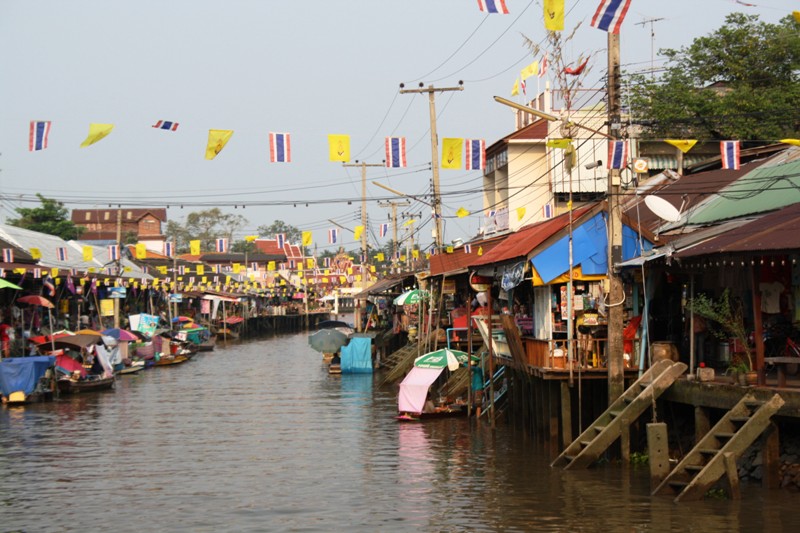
[566, 414]
[771, 457]
[657, 452]
[729, 459]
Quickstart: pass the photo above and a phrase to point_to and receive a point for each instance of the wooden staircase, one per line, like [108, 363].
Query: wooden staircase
[625, 410]
[716, 453]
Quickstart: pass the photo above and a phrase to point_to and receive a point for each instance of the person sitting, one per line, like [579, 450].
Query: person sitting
[336, 360]
[429, 407]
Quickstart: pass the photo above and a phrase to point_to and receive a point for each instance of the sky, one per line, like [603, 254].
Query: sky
[305, 67]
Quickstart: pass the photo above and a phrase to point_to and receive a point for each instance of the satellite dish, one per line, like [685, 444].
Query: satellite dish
[662, 208]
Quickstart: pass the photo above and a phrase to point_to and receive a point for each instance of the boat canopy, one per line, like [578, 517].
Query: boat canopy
[414, 389]
[23, 373]
[357, 356]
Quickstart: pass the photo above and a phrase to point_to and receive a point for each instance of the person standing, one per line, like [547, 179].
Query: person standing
[477, 387]
[5, 336]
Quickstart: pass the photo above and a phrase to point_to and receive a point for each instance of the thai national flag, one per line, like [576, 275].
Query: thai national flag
[169, 249]
[37, 273]
[333, 235]
[113, 252]
[61, 254]
[8, 255]
[218, 269]
[280, 148]
[617, 154]
[49, 286]
[384, 229]
[291, 264]
[37, 140]
[395, 152]
[181, 270]
[281, 240]
[475, 154]
[254, 266]
[547, 210]
[493, 6]
[222, 245]
[467, 248]
[166, 125]
[730, 154]
[610, 14]
[327, 262]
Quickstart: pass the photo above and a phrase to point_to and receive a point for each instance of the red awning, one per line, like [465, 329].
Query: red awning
[445, 263]
[525, 240]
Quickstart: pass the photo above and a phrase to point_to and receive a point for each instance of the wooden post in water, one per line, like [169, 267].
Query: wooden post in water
[657, 452]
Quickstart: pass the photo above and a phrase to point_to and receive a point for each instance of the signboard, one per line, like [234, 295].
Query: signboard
[106, 307]
[144, 323]
[117, 292]
[175, 298]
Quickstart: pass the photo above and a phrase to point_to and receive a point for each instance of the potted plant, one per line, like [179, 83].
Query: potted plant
[729, 316]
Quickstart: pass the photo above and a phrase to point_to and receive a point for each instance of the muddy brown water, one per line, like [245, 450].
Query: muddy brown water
[258, 437]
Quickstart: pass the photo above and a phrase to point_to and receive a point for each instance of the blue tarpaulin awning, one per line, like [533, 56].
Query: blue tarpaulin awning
[23, 373]
[357, 356]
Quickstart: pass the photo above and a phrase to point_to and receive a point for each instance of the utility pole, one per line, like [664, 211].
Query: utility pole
[393, 205]
[615, 295]
[437, 202]
[119, 263]
[364, 254]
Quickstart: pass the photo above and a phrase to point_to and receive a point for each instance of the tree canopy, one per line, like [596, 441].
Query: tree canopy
[205, 226]
[293, 235]
[51, 218]
[739, 82]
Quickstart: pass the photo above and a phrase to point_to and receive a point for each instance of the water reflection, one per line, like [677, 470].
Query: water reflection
[258, 437]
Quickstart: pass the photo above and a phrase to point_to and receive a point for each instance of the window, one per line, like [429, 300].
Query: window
[88, 215]
[106, 215]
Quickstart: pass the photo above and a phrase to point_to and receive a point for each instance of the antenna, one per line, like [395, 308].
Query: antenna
[662, 208]
[651, 21]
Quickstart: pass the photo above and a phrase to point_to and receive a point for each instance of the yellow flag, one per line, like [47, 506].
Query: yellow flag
[379, 256]
[309, 263]
[36, 253]
[558, 143]
[237, 267]
[794, 142]
[54, 272]
[201, 269]
[554, 15]
[515, 88]
[403, 258]
[796, 15]
[449, 249]
[217, 139]
[87, 253]
[480, 250]
[461, 213]
[682, 145]
[307, 239]
[194, 247]
[162, 269]
[372, 268]
[415, 254]
[96, 133]
[451, 152]
[530, 70]
[520, 213]
[271, 266]
[358, 231]
[409, 222]
[250, 238]
[141, 251]
[339, 147]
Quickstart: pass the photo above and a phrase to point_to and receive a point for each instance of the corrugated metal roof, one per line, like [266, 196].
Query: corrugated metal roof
[773, 185]
[25, 239]
[777, 231]
[459, 260]
[525, 240]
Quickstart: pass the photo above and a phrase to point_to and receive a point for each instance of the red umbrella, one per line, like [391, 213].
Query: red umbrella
[35, 299]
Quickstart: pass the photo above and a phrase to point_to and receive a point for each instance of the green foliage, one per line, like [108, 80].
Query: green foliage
[293, 234]
[728, 315]
[717, 494]
[753, 67]
[205, 226]
[51, 218]
[639, 459]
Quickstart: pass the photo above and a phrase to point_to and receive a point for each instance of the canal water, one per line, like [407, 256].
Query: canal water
[258, 437]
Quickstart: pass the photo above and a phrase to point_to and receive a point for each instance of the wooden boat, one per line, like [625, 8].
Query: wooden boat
[334, 368]
[207, 345]
[446, 412]
[26, 380]
[133, 368]
[92, 383]
[167, 360]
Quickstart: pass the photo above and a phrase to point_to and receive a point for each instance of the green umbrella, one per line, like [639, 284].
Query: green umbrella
[411, 297]
[8, 285]
[442, 358]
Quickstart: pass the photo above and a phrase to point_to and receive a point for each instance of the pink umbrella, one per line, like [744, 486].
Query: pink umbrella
[120, 334]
